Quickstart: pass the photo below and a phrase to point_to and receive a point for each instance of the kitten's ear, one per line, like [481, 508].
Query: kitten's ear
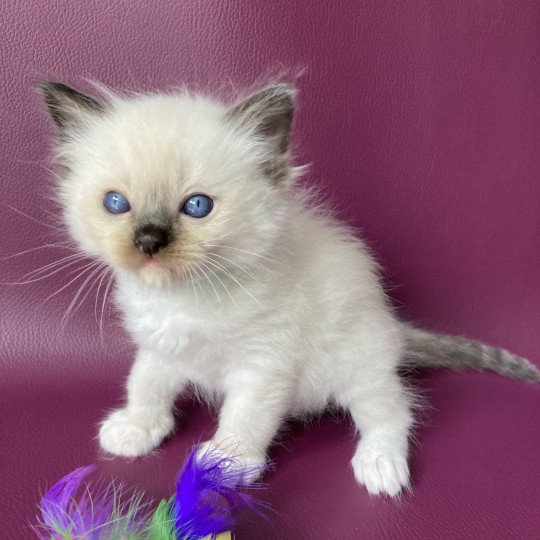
[68, 107]
[268, 114]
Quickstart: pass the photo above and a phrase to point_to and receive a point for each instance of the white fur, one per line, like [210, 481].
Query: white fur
[296, 321]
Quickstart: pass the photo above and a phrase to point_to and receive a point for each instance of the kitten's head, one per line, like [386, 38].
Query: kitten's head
[164, 185]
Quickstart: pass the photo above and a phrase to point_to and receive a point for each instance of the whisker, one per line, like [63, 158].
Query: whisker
[110, 281]
[40, 278]
[256, 265]
[54, 215]
[198, 282]
[219, 266]
[190, 278]
[85, 269]
[74, 257]
[247, 251]
[209, 281]
[103, 276]
[58, 245]
[74, 305]
[237, 265]
[31, 218]
[219, 279]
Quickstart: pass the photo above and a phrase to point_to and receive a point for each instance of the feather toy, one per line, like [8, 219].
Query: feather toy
[205, 505]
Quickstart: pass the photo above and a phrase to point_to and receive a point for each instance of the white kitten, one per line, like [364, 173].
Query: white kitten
[230, 281]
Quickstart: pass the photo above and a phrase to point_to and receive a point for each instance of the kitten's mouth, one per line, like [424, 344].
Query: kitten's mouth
[151, 262]
[154, 272]
[153, 265]
[157, 270]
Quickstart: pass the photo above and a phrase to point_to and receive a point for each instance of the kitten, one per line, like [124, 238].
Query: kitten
[229, 280]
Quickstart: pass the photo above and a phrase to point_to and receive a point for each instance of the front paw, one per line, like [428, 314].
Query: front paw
[381, 473]
[131, 435]
[249, 466]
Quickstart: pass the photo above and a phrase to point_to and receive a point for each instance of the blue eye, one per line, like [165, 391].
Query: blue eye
[198, 206]
[115, 203]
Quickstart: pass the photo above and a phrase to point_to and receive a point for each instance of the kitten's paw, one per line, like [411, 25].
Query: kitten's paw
[126, 435]
[253, 465]
[384, 474]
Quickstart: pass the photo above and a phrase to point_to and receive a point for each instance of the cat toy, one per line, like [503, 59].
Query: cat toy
[205, 505]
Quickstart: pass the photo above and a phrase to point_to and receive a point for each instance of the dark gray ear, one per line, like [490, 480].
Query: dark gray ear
[268, 114]
[68, 107]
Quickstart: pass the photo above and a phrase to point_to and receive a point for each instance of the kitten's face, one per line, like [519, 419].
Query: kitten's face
[171, 187]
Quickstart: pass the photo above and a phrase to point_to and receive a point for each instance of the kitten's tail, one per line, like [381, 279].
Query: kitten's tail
[427, 349]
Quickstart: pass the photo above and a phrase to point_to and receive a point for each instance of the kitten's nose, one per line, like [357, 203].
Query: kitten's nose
[151, 238]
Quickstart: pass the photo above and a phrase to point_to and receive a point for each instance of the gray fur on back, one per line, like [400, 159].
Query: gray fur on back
[427, 349]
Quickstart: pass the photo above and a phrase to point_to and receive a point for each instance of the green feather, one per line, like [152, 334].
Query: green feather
[162, 524]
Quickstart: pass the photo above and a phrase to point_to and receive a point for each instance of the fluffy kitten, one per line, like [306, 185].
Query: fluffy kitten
[228, 280]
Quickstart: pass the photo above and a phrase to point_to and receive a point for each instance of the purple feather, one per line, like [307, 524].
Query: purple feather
[71, 509]
[207, 501]
[58, 504]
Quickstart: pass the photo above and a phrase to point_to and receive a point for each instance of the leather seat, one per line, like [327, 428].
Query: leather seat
[419, 120]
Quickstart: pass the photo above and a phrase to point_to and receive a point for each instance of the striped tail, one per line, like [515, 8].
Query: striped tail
[427, 349]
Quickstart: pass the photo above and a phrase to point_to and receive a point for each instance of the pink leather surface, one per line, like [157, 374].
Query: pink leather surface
[420, 120]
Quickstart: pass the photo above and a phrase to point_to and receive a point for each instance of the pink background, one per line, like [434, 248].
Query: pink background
[420, 122]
